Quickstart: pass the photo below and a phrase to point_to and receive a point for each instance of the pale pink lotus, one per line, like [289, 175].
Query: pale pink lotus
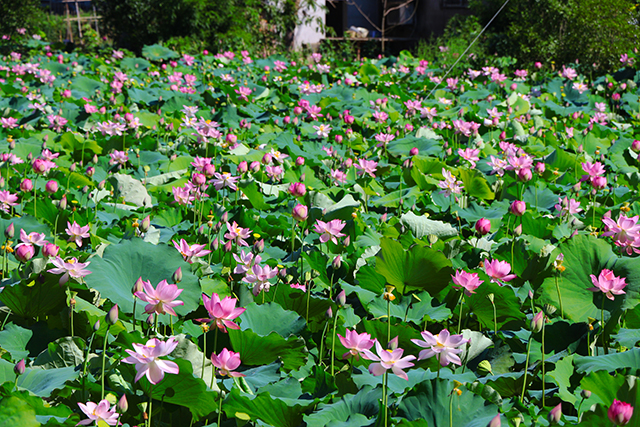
[608, 283]
[260, 277]
[161, 300]
[77, 233]
[37, 239]
[189, 252]
[227, 362]
[444, 345]
[468, 281]
[103, 411]
[237, 233]
[147, 359]
[329, 230]
[625, 232]
[499, 271]
[388, 359]
[356, 343]
[222, 312]
[71, 267]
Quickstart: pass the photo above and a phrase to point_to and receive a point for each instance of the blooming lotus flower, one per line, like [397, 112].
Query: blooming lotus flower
[468, 281]
[225, 179]
[37, 239]
[147, 359]
[260, 277]
[76, 233]
[470, 154]
[450, 185]
[222, 312]
[189, 252]
[388, 359]
[7, 200]
[161, 300]
[499, 271]
[367, 166]
[620, 413]
[323, 130]
[608, 283]
[444, 345]
[237, 233]
[625, 231]
[245, 261]
[99, 412]
[226, 363]
[356, 343]
[329, 230]
[68, 268]
[118, 157]
[567, 206]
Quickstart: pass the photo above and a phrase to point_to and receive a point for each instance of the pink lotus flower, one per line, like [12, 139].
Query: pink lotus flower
[608, 283]
[470, 154]
[260, 277]
[24, 252]
[450, 185]
[329, 230]
[77, 233]
[99, 412]
[221, 312]
[620, 413]
[499, 271]
[625, 231]
[483, 226]
[237, 233]
[367, 166]
[7, 200]
[356, 343]
[227, 362]
[225, 179]
[567, 206]
[189, 252]
[444, 345]
[468, 281]
[245, 261]
[147, 359]
[118, 157]
[68, 268]
[37, 239]
[160, 300]
[388, 359]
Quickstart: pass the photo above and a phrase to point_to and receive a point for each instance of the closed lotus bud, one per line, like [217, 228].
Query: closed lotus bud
[495, 421]
[72, 168]
[267, 159]
[337, 262]
[329, 313]
[101, 185]
[635, 146]
[540, 168]
[50, 250]
[12, 144]
[208, 170]
[300, 161]
[145, 224]
[26, 185]
[63, 202]
[254, 166]
[300, 212]
[198, 179]
[24, 253]
[123, 404]
[215, 244]
[518, 207]
[414, 151]
[342, 298]
[96, 326]
[393, 344]
[491, 297]
[483, 226]
[518, 230]
[243, 167]
[228, 245]
[112, 316]
[297, 189]
[339, 139]
[555, 414]
[231, 138]
[537, 322]
[599, 182]
[258, 246]
[347, 241]
[484, 368]
[177, 275]
[525, 175]
[408, 127]
[138, 286]
[51, 187]
[10, 231]
[95, 158]
[585, 394]
[39, 166]
[20, 367]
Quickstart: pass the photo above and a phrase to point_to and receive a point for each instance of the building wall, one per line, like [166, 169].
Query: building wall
[310, 32]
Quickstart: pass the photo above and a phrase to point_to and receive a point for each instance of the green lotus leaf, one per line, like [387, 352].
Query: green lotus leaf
[14, 339]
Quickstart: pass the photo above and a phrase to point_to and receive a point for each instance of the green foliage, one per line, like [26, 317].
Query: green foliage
[17, 14]
[590, 31]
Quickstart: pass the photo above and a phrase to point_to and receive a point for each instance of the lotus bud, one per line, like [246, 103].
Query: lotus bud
[635, 146]
[73, 167]
[243, 167]
[300, 161]
[483, 226]
[329, 313]
[491, 297]
[286, 120]
[63, 203]
[12, 145]
[525, 175]
[258, 246]
[297, 189]
[51, 187]
[138, 286]
[518, 230]
[432, 238]
[585, 394]
[101, 185]
[231, 138]
[145, 224]
[24, 252]
[112, 316]
[341, 299]
[26, 185]
[555, 414]
[549, 309]
[90, 171]
[50, 250]
[228, 245]
[20, 367]
[537, 322]
[407, 164]
[393, 344]
[177, 275]
[254, 166]
[484, 368]
[300, 212]
[347, 241]
[337, 262]
[10, 231]
[30, 157]
[122, 404]
[620, 413]
[267, 159]
[518, 207]
[414, 151]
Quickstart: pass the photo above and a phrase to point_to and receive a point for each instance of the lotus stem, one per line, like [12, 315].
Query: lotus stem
[543, 385]
[134, 313]
[451, 407]
[333, 342]
[150, 406]
[220, 409]
[204, 352]
[215, 345]
[559, 297]
[460, 302]
[384, 398]
[604, 347]
[324, 332]
[526, 369]
[104, 360]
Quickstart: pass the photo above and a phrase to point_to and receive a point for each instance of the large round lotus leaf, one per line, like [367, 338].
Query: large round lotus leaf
[122, 264]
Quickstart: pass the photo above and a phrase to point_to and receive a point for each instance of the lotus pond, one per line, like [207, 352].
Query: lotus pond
[227, 240]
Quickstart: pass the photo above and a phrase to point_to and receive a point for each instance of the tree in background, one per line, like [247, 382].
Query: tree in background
[16, 14]
[593, 32]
